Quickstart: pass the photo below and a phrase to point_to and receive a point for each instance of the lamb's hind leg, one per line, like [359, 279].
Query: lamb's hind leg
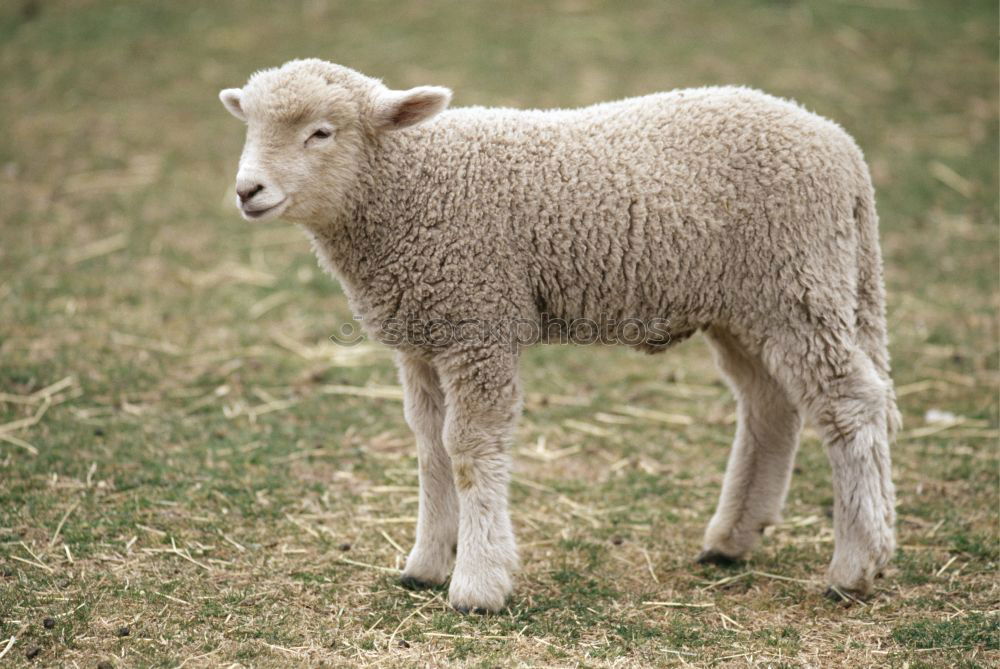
[433, 553]
[761, 459]
[844, 394]
[855, 421]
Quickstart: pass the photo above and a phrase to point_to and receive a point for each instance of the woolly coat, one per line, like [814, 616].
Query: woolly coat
[711, 205]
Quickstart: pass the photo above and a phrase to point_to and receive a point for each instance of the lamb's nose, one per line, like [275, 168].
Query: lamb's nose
[248, 193]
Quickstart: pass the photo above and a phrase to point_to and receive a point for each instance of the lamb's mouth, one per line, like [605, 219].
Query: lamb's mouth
[255, 214]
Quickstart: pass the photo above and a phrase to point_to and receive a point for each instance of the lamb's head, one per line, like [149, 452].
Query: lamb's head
[310, 125]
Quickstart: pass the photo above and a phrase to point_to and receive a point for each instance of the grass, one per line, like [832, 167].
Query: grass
[202, 475]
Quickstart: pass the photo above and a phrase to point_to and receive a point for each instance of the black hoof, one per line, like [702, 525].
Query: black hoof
[717, 558]
[466, 610]
[841, 595]
[411, 583]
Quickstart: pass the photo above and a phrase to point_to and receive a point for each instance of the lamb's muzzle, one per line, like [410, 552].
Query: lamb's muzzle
[247, 192]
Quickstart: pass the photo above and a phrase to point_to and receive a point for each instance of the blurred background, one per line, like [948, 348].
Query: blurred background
[185, 456]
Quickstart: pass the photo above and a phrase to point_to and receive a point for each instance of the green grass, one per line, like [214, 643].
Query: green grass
[202, 479]
[967, 632]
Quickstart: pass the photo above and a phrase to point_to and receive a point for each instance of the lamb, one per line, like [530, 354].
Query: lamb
[720, 210]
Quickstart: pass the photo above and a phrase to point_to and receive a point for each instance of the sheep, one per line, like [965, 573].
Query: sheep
[720, 210]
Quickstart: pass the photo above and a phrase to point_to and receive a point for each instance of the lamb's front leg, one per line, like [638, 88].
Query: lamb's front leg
[483, 401]
[433, 553]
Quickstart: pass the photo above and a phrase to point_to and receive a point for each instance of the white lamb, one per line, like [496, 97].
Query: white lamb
[723, 210]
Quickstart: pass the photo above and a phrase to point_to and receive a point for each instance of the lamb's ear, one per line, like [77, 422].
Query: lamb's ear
[231, 100]
[401, 109]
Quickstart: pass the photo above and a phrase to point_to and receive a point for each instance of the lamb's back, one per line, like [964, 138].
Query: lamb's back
[702, 151]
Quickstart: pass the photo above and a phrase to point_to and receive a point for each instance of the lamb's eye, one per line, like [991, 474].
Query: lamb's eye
[320, 134]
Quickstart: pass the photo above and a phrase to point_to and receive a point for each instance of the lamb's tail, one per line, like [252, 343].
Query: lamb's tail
[872, 334]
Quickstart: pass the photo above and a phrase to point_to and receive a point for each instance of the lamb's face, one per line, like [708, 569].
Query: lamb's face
[303, 136]
[307, 125]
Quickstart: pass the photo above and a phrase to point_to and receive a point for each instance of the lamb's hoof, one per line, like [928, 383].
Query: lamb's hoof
[466, 610]
[481, 586]
[840, 595]
[715, 557]
[413, 583]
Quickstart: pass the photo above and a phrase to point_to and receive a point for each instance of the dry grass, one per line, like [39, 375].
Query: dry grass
[193, 475]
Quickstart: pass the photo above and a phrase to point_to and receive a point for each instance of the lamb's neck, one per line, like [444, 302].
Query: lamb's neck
[353, 238]
[389, 194]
